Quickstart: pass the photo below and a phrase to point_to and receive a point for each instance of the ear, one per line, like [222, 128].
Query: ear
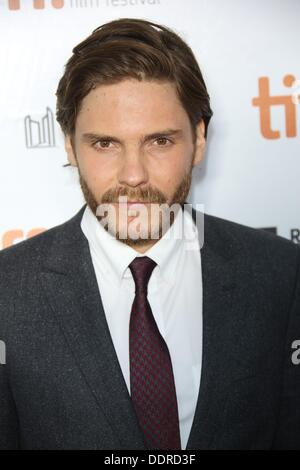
[70, 151]
[200, 143]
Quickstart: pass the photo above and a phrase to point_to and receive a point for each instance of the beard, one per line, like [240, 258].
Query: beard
[150, 195]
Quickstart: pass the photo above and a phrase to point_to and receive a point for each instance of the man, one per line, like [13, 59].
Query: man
[118, 334]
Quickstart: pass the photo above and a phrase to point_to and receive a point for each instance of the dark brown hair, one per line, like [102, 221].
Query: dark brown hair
[131, 48]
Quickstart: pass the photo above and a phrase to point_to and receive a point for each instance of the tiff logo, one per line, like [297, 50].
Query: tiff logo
[2, 352]
[11, 237]
[37, 4]
[40, 4]
[264, 101]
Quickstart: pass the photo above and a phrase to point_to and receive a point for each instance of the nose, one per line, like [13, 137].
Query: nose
[133, 170]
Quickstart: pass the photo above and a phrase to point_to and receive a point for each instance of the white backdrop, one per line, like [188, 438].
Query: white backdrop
[251, 172]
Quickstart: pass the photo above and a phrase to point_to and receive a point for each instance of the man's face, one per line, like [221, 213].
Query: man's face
[134, 139]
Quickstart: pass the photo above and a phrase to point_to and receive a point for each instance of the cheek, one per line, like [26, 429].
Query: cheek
[169, 173]
[90, 164]
[99, 176]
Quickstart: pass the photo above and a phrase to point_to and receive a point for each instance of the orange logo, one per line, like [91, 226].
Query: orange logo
[264, 102]
[13, 236]
[37, 4]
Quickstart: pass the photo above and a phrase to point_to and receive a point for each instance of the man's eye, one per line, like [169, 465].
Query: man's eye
[101, 144]
[104, 144]
[163, 141]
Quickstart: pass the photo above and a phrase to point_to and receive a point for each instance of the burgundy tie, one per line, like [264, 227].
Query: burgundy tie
[152, 384]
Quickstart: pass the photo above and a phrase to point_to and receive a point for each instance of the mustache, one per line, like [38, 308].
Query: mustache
[142, 195]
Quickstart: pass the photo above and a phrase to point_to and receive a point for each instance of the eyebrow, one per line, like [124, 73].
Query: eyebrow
[91, 136]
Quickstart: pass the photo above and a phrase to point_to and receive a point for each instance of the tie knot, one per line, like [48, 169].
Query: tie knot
[141, 268]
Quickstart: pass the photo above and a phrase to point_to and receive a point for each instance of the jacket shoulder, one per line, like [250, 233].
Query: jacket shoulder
[32, 250]
[245, 237]
[270, 261]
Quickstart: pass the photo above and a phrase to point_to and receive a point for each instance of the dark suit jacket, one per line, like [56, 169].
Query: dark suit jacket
[62, 386]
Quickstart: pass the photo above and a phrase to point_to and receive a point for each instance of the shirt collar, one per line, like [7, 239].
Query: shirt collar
[114, 256]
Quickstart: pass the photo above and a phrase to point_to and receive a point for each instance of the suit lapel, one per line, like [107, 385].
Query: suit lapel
[220, 363]
[70, 285]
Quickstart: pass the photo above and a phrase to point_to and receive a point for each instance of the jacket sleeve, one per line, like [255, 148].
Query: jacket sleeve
[287, 435]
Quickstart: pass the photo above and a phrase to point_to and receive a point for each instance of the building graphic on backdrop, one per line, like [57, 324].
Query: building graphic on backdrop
[40, 133]
[264, 101]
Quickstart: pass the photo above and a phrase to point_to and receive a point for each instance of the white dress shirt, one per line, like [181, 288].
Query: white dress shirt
[174, 294]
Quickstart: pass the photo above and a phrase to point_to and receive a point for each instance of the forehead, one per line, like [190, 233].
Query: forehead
[133, 103]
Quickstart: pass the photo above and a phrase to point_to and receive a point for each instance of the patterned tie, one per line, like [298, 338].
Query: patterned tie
[152, 384]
